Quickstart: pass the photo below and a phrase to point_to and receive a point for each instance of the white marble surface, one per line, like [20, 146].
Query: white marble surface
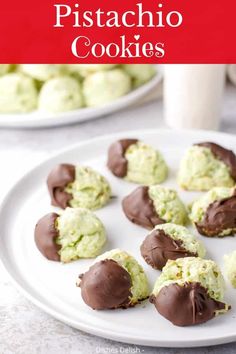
[24, 329]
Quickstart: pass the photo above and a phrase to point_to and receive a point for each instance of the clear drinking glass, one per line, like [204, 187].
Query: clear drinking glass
[193, 95]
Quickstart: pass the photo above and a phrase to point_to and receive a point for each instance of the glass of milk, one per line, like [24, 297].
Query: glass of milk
[193, 95]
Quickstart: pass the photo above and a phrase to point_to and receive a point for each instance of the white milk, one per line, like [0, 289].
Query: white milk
[193, 95]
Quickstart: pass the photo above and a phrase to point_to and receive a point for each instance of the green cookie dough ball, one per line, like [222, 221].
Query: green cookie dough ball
[140, 73]
[145, 165]
[103, 87]
[140, 288]
[86, 69]
[81, 234]
[18, 93]
[200, 170]
[199, 207]
[60, 95]
[178, 232]
[42, 72]
[89, 189]
[4, 68]
[168, 205]
[192, 269]
[230, 267]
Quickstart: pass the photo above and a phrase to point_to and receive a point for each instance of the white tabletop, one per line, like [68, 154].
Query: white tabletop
[25, 329]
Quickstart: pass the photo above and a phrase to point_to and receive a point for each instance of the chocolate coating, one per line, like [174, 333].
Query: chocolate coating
[158, 247]
[219, 216]
[106, 285]
[186, 305]
[227, 156]
[139, 209]
[45, 234]
[57, 181]
[117, 162]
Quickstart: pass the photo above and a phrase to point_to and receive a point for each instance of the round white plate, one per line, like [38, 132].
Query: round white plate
[51, 285]
[39, 119]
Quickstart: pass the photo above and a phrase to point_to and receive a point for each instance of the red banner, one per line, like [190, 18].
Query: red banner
[173, 31]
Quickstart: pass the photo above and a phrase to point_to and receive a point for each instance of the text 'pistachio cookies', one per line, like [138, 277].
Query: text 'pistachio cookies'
[189, 291]
[170, 241]
[153, 205]
[78, 186]
[116, 280]
[214, 214]
[207, 165]
[75, 233]
[136, 162]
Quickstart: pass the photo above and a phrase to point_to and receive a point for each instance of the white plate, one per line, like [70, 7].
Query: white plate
[39, 119]
[51, 286]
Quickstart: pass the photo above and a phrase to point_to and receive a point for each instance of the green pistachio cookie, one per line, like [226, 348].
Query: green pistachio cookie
[189, 291]
[137, 162]
[77, 186]
[89, 190]
[4, 69]
[145, 164]
[87, 69]
[230, 267]
[214, 212]
[168, 205]
[18, 93]
[74, 233]
[81, 234]
[42, 72]
[201, 170]
[192, 269]
[148, 206]
[60, 94]
[140, 73]
[115, 280]
[188, 240]
[103, 87]
[140, 288]
[170, 241]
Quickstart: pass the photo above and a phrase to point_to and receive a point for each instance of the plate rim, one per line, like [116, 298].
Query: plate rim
[108, 334]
